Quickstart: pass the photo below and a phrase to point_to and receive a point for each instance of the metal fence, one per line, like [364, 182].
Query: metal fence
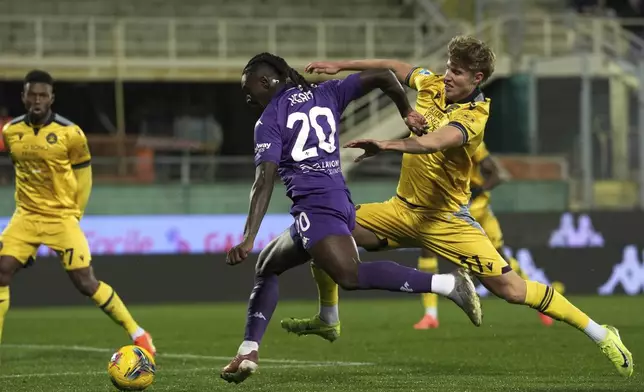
[185, 169]
[163, 43]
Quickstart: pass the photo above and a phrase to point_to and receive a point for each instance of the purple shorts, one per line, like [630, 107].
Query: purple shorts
[319, 216]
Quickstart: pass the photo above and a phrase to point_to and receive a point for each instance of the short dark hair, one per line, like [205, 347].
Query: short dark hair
[281, 68]
[39, 76]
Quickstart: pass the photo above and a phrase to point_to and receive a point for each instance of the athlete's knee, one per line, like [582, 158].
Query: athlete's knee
[508, 286]
[8, 267]
[84, 281]
[268, 263]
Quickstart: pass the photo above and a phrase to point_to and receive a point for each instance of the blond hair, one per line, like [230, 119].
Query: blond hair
[472, 54]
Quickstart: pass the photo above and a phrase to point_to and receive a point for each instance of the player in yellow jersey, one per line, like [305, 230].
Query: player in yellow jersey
[53, 184]
[430, 209]
[486, 175]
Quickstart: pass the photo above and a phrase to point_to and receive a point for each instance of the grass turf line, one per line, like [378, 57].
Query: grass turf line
[512, 351]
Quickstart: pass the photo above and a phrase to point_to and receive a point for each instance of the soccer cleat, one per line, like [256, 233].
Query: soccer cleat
[615, 350]
[312, 326]
[145, 341]
[241, 367]
[465, 296]
[427, 322]
[545, 319]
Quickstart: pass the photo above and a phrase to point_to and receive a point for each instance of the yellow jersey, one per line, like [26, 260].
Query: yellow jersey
[44, 159]
[440, 181]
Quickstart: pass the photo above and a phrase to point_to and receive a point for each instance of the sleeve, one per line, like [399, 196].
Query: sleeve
[420, 78]
[268, 141]
[345, 90]
[78, 149]
[470, 120]
[481, 153]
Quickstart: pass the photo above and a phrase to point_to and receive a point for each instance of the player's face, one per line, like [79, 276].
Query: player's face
[37, 98]
[459, 82]
[257, 90]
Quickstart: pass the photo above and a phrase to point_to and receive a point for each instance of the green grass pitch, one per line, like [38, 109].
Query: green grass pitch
[68, 349]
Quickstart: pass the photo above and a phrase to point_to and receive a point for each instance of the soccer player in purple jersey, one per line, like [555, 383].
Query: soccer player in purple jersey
[297, 137]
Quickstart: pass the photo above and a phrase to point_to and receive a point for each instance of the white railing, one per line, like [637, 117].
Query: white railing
[197, 42]
[545, 36]
[370, 109]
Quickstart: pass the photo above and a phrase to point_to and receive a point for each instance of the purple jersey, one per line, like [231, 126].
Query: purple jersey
[298, 130]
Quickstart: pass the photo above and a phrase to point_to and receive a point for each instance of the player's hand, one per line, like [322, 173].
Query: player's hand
[416, 123]
[238, 253]
[371, 147]
[323, 67]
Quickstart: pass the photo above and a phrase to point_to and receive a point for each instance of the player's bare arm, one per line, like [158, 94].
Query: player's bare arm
[385, 80]
[400, 68]
[260, 198]
[442, 139]
[493, 174]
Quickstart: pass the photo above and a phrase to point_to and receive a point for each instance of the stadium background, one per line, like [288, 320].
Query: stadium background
[158, 96]
[155, 85]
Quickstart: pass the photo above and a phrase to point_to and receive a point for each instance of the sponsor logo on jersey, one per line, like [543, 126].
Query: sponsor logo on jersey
[51, 138]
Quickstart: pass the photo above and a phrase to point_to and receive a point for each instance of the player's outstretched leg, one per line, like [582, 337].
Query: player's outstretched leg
[279, 255]
[109, 302]
[338, 256]
[428, 262]
[545, 299]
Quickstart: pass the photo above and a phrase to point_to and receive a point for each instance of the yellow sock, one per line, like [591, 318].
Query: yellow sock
[327, 288]
[4, 306]
[430, 300]
[107, 299]
[548, 301]
[514, 264]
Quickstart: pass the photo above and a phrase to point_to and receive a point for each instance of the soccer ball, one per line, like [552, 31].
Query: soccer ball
[131, 368]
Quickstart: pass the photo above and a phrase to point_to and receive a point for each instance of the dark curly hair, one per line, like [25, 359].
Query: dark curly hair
[281, 68]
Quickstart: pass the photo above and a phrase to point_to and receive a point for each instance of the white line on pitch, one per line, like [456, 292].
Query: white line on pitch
[164, 371]
[177, 356]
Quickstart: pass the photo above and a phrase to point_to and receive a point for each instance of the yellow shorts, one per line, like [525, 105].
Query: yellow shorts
[26, 232]
[485, 217]
[456, 236]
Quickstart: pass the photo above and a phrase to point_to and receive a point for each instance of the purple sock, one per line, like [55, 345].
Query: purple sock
[387, 275]
[262, 304]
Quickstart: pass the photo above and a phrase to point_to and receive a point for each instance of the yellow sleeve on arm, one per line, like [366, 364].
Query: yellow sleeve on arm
[420, 78]
[470, 120]
[84, 180]
[80, 159]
